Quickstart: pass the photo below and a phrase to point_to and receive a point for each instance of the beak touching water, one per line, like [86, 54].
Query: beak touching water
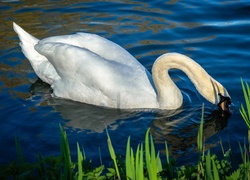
[224, 103]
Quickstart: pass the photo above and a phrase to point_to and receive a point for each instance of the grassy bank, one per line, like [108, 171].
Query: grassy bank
[143, 162]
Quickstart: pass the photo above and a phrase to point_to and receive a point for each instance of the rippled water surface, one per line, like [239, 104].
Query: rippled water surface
[214, 33]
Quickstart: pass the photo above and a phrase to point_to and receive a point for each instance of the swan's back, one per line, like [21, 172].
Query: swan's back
[98, 45]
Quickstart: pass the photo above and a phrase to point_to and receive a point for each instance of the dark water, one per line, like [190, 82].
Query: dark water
[214, 33]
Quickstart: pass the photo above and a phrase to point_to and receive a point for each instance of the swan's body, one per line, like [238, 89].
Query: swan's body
[91, 69]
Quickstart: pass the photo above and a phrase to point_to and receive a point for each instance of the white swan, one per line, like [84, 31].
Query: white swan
[88, 68]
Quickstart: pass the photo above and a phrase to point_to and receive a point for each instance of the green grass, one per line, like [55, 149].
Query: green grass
[245, 110]
[143, 163]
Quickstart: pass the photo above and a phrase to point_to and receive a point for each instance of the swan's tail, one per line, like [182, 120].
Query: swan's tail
[40, 63]
[27, 44]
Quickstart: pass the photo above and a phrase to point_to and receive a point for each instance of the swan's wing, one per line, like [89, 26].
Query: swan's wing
[74, 62]
[88, 77]
[70, 61]
[99, 45]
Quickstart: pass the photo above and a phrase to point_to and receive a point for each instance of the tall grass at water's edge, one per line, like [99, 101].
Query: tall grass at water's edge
[144, 163]
[245, 113]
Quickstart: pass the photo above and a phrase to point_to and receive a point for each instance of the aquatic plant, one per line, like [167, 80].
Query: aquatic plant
[136, 167]
[145, 163]
[245, 111]
[113, 155]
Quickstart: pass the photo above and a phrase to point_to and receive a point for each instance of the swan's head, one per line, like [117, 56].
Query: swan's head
[217, 94]
[224, 103]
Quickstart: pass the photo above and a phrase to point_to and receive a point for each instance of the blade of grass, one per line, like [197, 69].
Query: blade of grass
[158, 163]
[132, 161]
[112, 154]
[167, 153]
[68, 166]
[200, 132]
[41, 165]
[153, 159]
[169, 164]
[129, 163]
[200, 147]
[147, 155]
[19, 151]
[208, 166]
[139, 162]
[215, 170]
[222, 148]
[80, 159]
[242, 155]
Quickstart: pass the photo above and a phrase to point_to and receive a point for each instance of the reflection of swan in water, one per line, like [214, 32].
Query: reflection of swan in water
[95, 119]
[181, 130]
[91, 69]
[82, 116]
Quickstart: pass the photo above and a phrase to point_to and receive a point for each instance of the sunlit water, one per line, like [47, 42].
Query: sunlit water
[215, 34]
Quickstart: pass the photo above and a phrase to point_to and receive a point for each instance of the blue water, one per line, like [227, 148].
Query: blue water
[214, 33]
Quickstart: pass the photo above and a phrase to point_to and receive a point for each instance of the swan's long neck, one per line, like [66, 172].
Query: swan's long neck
[169, 95]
